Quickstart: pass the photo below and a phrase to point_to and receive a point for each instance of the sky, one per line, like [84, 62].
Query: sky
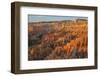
[42, 18]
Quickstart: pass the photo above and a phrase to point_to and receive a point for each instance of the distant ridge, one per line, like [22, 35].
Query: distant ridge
[59, 21]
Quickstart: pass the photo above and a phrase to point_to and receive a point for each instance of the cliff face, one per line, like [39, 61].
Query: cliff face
[58, 39]
[55, 25]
